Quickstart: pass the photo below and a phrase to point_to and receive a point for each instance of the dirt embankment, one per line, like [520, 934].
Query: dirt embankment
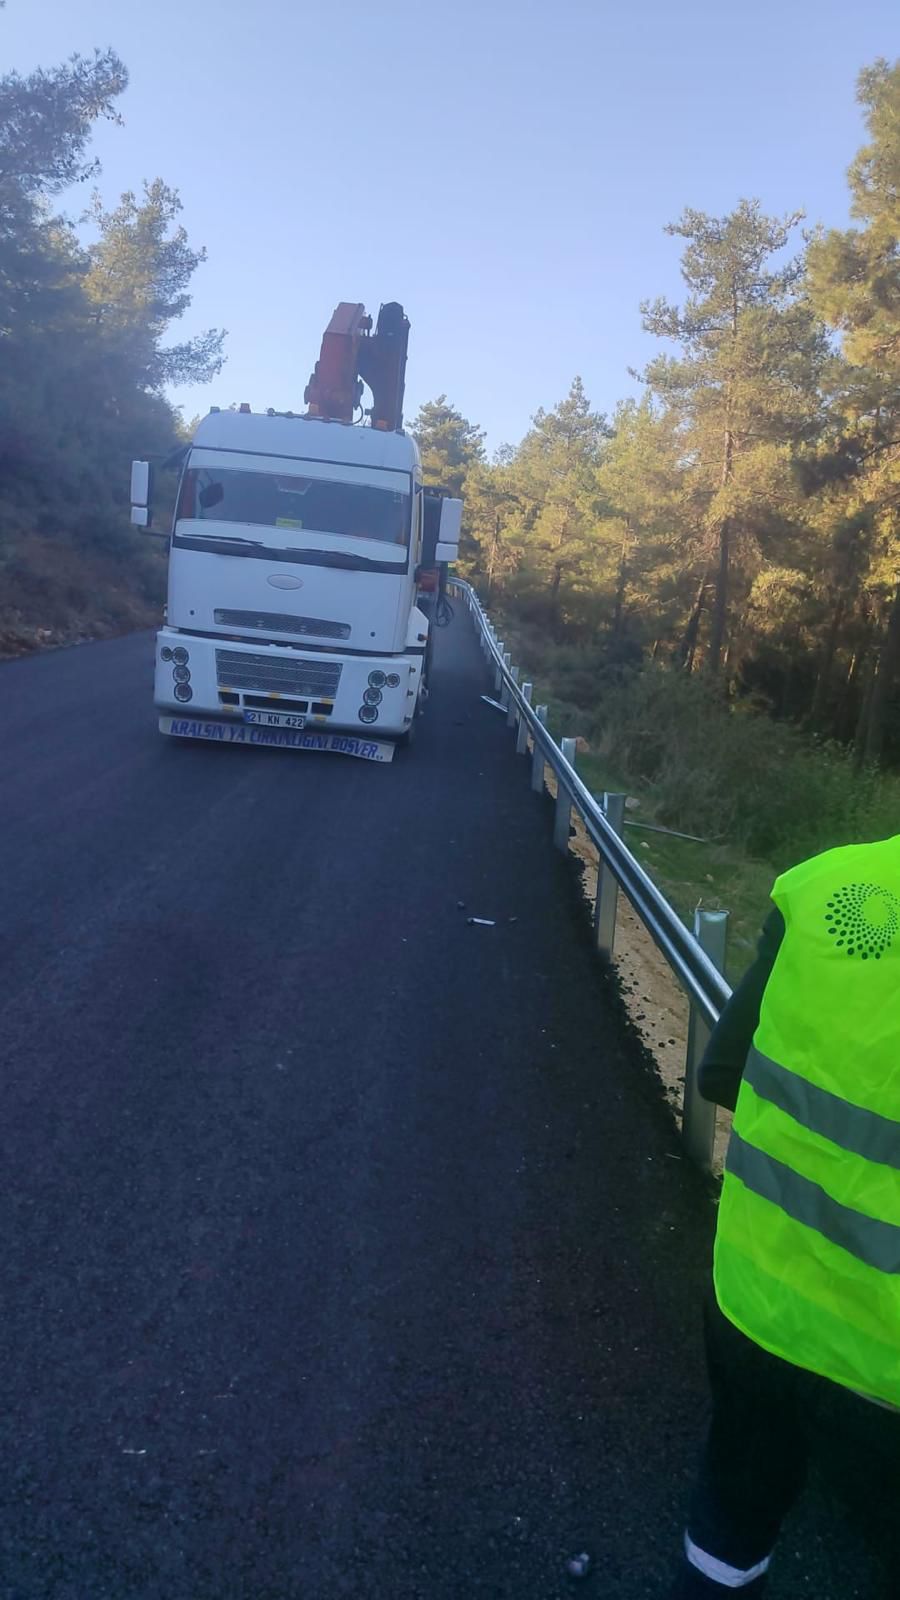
[653, 998]
[53, 593]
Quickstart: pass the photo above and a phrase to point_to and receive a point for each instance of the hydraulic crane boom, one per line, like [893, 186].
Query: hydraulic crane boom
[352, 354]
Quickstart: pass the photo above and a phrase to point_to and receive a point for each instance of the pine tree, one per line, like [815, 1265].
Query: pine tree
[140, 271]
[854, 280]
[647, 518]
[744, 388]
[449, 444]
[554, 472]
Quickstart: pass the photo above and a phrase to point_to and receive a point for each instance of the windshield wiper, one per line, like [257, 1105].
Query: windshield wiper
[232, 538]
[223, 544]
[339, 558]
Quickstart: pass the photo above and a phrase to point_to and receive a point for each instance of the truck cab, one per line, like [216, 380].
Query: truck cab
[294, 565]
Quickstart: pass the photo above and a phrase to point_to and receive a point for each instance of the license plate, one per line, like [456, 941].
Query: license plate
[275, 719]
[339, 744]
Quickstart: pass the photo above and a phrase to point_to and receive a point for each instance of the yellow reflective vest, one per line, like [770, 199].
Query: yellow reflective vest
[807, 1258]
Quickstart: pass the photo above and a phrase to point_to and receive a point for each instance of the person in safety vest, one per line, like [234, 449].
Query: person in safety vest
[807, 1254]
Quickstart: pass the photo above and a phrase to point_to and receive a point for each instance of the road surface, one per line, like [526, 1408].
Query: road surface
[347, 1249]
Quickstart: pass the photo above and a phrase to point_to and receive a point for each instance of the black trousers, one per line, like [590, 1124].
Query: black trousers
[755, 1462]
[766, 1414]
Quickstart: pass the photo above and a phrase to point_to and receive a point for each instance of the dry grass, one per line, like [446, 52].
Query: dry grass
[53, 592]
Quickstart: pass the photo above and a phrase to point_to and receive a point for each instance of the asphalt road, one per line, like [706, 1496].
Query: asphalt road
[347, 1249]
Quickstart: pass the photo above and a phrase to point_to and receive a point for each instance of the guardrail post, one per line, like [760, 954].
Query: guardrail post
[563, 819]
[512, 709]
[537, 755]
[698, 1123]
[522, 735]
[498, 676]
[607, 901]
[504, 688]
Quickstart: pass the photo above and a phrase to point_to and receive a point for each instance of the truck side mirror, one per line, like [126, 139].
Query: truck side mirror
[141, 488]
[448, 537]
[451, 523]
[443, 520]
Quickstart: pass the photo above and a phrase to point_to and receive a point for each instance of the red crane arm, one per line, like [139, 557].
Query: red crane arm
[334, 390]
[351, 354]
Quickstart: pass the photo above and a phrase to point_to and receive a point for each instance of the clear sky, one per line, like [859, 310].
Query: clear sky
[502, 167]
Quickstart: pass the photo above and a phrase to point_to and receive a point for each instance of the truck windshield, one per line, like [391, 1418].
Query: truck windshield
[273, 500]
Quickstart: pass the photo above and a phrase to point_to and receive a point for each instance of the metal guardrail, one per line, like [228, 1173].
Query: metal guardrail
[696, 959]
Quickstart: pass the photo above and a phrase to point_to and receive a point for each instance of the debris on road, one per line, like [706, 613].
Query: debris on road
[579, 1566]
[495, 703]
[481, 922]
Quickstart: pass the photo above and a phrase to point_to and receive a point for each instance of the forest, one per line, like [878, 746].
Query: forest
[87, 299]
[727, 542]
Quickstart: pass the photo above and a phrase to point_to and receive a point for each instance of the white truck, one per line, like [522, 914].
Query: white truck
[305, 555]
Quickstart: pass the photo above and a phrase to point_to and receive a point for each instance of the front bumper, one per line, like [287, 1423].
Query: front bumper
[228, 678]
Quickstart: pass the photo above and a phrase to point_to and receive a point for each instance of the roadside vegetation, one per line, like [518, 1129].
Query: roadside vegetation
[706, 585]
[86, 302]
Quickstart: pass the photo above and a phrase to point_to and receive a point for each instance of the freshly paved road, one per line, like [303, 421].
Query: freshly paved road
[346, 1247]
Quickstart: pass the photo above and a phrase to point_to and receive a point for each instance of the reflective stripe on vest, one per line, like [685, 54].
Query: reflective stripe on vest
[876, 1244]
[808, 1240]
[861, 1132]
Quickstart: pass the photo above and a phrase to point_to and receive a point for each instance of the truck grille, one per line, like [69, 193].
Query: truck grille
[313, 680]
[281, 622]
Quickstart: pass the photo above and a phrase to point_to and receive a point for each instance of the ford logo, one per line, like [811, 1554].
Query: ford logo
[284, 580]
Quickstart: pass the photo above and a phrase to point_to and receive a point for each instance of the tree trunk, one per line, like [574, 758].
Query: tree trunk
[822, 690]
[622, 583]
[788, 687]
[862, 721]
[720, 607]
[554, 597]
[492, 560]
[842, 726]
[736, 652]
[688, 647]
[883, 683]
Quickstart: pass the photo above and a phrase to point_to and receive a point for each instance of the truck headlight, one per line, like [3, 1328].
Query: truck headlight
[365, 713]
[180, 655]
[183, 692]
[181, 674]
[373, 697]
[377, 679]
